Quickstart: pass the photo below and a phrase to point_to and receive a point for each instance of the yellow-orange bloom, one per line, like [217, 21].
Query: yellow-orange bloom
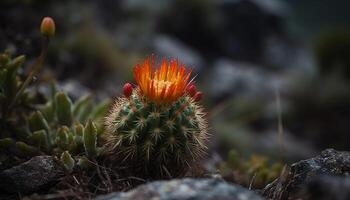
[162, 84]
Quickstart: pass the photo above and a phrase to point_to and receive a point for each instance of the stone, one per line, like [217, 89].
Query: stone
[231, 77]
[30, 176]
[168, 46]
[74, 89]
[185, 189]
[329, 187]
[292, 183]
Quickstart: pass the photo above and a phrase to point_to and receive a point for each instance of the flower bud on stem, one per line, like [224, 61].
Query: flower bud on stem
[47, 30]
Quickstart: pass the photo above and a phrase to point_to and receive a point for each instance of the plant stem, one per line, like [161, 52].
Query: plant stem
[33, 69]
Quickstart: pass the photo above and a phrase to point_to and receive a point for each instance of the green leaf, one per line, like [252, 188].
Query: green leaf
[71, 142]
[16, 63]
[68, 161]
[82, 108]
[26, 150]
[62, 137]
[53, 92]
[4, 59]
[48, 111]
[40, 139]
[38, 122]
[90, 139]
[64, 109]
[100, 110]
[3, 74]
[79, 132]
[6, 143]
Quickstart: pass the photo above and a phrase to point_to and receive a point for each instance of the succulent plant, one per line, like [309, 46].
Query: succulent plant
[10, 82]
[157, 129]
[29, 128]
[57, 128]
[14, 106]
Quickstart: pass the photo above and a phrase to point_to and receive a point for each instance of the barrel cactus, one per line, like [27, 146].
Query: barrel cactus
[158, 128]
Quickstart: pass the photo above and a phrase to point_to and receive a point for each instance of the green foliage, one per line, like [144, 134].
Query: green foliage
[60, 131]
[64, 111]
[90, 139]
[12, 108]
[256, 171]
[55, 128]
[156, 140]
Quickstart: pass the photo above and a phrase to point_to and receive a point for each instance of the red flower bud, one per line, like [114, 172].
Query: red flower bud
[191, 90]
[127, 89]
[47, 27]
[198, 96]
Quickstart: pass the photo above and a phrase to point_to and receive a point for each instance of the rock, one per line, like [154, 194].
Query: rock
[74, 89]
[165, 46]
[329, 187]
[194, 189]
[30, 176]
[144, 6]
[246, 24]
[292, 184]
[230, 77]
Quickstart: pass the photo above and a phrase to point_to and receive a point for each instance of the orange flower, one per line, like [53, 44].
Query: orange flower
[164, 84]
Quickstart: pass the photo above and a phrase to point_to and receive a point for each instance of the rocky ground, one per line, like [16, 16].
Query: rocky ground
[325, 176]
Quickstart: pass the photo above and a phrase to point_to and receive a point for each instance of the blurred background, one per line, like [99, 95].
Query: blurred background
[275, 73]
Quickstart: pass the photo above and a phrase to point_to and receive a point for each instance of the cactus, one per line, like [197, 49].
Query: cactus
[157, 129]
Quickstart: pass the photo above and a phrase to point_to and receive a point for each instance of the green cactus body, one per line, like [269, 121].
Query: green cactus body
[162, 138]
[157, 130]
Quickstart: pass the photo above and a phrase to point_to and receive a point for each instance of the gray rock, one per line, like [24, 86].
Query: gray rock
[30, 176]
[292, 183]
[236, 78]
[329, 187]
[74, 89]
[244, 79]
[165, 46]
[145, 5]
[190, 189]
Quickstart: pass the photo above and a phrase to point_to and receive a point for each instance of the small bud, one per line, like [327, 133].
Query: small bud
[127, 89]
[191, 90]
[67, 161]
[47, 27]
[198, 96]
[85, 163]
[62, 137]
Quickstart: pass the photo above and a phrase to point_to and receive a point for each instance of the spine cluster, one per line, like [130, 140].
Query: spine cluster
[163, 140]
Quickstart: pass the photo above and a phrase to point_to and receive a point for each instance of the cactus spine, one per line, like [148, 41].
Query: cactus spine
[157, 139]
